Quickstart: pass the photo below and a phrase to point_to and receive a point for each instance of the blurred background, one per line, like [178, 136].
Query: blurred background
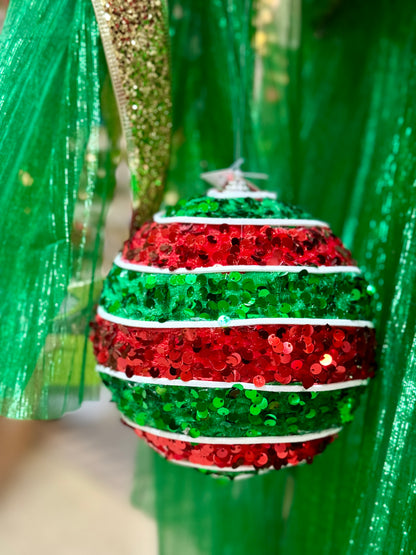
[65, 485]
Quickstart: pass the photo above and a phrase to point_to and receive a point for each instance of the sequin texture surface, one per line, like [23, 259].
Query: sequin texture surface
[231, 456]
[193, 246]
[235, 295]
[218, 327]
[135, 39]
[282, 354]
[242, 207]
[234, 411]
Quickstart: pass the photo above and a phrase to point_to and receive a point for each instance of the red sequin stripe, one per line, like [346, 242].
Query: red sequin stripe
[192, 246]
[233, 456]
[248, 354]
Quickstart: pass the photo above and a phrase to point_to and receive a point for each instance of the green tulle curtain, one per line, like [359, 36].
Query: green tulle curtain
[329, 114]
[56, 173]
[320, 95]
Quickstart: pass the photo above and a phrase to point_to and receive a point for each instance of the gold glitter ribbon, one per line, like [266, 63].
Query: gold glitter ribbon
[136, 43]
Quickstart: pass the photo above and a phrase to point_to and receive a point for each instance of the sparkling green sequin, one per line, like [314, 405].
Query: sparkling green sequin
[231, 412]
[162, 297]
[235, 208]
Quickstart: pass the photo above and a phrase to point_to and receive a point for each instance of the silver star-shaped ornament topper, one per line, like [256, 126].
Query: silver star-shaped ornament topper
[233, 179]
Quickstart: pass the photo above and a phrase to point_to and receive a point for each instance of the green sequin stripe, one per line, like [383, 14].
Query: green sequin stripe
[235, 208]
[181, 297]
[232, 412]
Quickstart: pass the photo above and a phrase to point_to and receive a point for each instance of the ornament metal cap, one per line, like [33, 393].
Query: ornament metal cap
[232, 179]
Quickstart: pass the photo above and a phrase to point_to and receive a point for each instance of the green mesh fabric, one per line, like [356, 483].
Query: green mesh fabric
[55, 175]
[332, 120]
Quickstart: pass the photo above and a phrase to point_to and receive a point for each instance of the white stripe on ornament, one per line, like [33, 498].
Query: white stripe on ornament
[223, 323]
[218, 268]
[245, 475]
[245, 468]
[241, 473]
[214, 193]
[299, 438]
[159, 218]
[227, 385]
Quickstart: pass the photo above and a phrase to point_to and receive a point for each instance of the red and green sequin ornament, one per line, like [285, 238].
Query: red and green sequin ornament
[235, 332]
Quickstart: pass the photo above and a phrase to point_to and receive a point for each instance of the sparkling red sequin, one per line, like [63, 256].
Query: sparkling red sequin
[250, 354]
[222, 456]
[192, 246]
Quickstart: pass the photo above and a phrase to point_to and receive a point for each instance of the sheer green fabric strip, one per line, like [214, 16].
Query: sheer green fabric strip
[55, 173]
[333, 122]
